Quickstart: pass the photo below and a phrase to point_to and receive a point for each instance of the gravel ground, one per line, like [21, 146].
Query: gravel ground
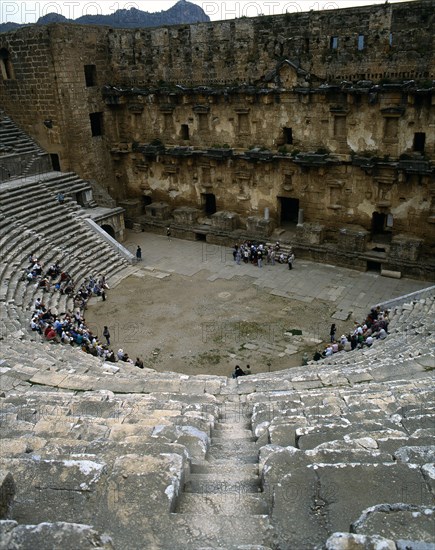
[194, 326]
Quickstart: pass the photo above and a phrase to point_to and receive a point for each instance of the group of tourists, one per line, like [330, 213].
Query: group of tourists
[258, 253]
[374, 327]
[70, 327]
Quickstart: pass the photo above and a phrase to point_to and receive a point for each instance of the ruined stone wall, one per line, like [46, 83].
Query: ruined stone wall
[333, 196]
[343, 122]
[30, 96]
[245, 50]
[50, 98]
[331, 83]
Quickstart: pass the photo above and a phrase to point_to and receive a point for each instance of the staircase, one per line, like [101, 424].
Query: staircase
[222, 496]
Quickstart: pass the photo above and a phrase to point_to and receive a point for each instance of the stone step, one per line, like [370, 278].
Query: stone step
[224, 431]
[225, 467]
[237, 503]
[207, 483]
[197, 531]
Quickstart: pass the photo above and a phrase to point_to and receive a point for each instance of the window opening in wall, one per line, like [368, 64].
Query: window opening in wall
[289, 209]
[168, 122]
[202, 121]
[360, 42]
[209, 203]
[419, 142]
[391, 127]
[243, 123]
[96, 124]
[55, 162]
[288, 136]
[333, 43]
[185, 131]
[340, 127]
[6, 68]
[90, 75]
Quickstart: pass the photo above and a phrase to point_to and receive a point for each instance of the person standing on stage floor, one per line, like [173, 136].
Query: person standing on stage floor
[332, 332]
[168, 233]
[139, 253]
[106, 335]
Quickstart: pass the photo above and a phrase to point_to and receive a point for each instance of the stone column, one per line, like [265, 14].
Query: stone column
[301, 217]
[266, 213]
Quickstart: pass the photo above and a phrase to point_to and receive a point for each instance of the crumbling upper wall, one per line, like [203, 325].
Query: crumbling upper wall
[373, 42]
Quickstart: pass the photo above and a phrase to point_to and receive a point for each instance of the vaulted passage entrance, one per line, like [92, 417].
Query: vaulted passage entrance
[109, 229]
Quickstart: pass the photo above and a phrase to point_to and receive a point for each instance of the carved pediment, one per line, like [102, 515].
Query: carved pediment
[288, 74]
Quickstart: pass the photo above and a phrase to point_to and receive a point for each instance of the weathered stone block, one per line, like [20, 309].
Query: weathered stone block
[226, 221]
[405, 247]
[158, 210]
[353, 238]
[310, 233]
[186, 215]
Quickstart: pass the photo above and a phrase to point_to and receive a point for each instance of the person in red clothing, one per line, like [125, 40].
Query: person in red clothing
[50, 333]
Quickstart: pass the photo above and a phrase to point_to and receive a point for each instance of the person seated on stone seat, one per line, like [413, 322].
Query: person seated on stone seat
[111, 357]
[64, 276]
[334, 346]
[49, 333]
[37, 268]
[97, 290]
[69, 288]
[368, 341]
[348, 345]
[382, 334]
[44, 284]
[35, 326]
[238, 372]
[328, 351]
[32, 259]
[139, 363]
[317, 356]
[53, 271]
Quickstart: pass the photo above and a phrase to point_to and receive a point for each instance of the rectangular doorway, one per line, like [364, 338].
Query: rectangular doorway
[209, 203]
[289, 210]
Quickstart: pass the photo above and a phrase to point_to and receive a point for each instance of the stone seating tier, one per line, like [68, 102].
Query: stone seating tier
[55, 233]
[82, 453]
[335, 454]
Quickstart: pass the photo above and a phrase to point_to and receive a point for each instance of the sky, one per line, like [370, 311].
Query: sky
[29, 11]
